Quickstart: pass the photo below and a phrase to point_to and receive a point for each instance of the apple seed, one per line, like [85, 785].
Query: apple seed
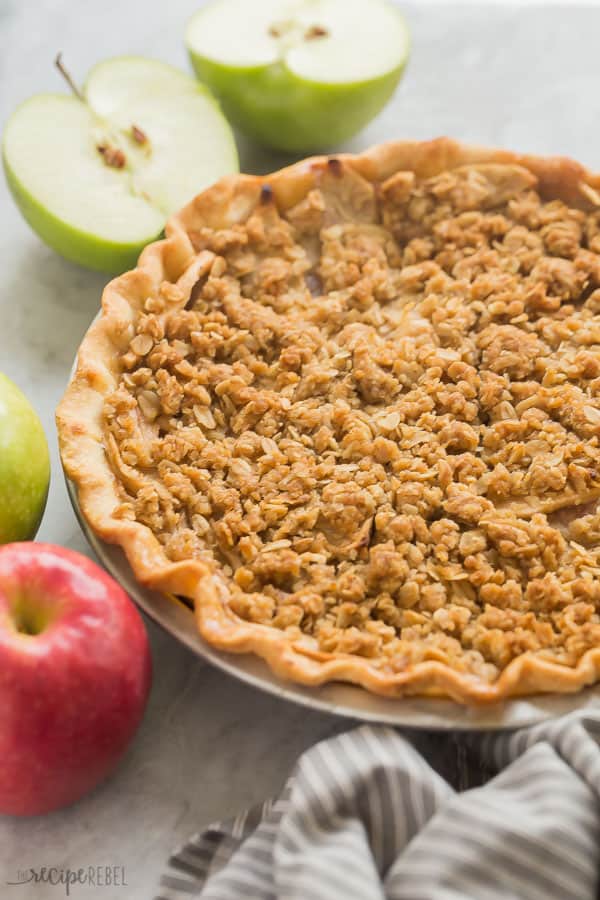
[139, 136]
[112, 156]
[279, 29]
[315, 31]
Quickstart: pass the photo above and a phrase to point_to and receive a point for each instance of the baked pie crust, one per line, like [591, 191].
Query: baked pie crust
[351, 410]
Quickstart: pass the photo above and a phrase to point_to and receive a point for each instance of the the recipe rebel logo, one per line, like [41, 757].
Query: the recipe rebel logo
[90, 876]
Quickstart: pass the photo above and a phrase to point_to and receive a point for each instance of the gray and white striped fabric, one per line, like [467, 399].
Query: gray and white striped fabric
[363, 816]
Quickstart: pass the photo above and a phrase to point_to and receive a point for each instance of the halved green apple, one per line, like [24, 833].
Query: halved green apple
[97, 175]
[299, 75]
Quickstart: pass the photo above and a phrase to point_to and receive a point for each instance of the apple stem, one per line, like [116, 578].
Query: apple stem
[65, 74]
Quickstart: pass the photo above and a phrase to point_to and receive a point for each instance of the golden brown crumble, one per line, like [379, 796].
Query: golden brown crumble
[378, 416]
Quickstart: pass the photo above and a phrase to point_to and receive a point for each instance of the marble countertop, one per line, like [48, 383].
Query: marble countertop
[515, 75]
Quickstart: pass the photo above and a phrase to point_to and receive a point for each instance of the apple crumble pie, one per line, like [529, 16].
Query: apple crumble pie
[352, 411]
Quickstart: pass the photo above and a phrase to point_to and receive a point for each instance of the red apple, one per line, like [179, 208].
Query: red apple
[75, 672]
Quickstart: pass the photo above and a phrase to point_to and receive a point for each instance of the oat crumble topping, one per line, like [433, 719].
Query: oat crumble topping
[378, 416]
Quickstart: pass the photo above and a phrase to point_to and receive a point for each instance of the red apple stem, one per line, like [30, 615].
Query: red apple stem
[67, 76]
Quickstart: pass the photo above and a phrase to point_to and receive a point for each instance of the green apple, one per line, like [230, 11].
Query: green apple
[299, 75]
[24, 466]
[96, 174]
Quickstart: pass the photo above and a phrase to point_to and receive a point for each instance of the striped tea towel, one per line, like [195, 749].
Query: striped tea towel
[363, 816]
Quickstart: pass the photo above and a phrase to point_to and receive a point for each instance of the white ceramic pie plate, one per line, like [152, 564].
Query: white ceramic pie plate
[339, 699]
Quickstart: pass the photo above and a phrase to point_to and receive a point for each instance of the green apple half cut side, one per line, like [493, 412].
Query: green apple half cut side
[299, 75]
[96, 177]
